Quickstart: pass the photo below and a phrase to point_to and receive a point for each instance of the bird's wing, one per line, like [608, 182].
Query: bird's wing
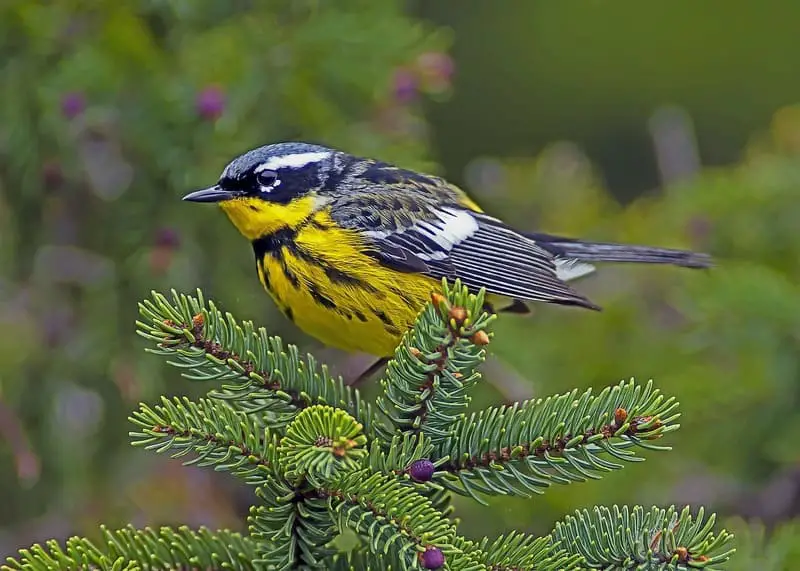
[432, 230]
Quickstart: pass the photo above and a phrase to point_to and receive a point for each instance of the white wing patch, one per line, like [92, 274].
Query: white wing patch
[455, 226]
[568, 269]
[484, 253]
[295, 161]
[452, 227]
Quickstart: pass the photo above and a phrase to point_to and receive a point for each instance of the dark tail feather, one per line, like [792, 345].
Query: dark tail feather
[608, 252]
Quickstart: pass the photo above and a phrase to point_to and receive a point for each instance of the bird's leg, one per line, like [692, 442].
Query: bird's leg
[373, 368]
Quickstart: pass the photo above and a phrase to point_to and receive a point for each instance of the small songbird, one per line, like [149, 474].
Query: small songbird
[351, 248]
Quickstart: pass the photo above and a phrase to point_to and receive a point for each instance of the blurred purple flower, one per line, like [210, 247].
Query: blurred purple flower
[405, 86]
[72, 104]
[210, 102]
[167, 238]
[56, 324]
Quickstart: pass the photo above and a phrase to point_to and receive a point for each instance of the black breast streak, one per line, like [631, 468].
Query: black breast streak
[264, 272]
[272, 245]
[334, 274]
[384, 318]
[326, 302]
[290, 275]
[404, 296]
[275, 244]
[282, 240]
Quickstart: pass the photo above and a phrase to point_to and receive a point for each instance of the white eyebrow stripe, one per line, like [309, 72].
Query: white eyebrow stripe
[295, 161]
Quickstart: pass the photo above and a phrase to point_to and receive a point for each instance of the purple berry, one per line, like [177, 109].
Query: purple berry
[406, 86]
[72, 104]
[432, 558]
[421, 470]
[210, 102]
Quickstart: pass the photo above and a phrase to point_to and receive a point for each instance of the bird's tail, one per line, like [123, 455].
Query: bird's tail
[609, 252]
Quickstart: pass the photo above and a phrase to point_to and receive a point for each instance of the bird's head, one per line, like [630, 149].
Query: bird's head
[271, 187]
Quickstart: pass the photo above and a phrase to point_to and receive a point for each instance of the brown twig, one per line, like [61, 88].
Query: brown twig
[208, 437]
[216, 350]
[555, 447]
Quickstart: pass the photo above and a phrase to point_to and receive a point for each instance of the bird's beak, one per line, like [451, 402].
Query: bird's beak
[212, 194]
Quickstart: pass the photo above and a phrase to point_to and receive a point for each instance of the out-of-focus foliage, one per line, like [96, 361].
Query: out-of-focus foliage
[594, 72]
[728, 336]
[112, 110]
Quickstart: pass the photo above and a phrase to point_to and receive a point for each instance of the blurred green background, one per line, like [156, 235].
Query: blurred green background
[673, 124]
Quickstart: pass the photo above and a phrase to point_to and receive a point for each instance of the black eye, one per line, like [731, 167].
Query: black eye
[267, 180]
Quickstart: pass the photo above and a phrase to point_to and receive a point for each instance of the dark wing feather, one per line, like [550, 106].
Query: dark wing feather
[418, 223]
[495, 257]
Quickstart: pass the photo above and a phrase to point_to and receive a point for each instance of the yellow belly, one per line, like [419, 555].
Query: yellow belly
[341, 296]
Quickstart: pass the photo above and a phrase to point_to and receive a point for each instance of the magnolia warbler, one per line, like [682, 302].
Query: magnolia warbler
[351, 248]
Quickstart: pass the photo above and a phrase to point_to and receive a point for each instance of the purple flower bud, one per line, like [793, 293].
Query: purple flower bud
[167, 238]
[210, 102]
[421, 470]
[406, 86]
[72, 104]
[432, 558]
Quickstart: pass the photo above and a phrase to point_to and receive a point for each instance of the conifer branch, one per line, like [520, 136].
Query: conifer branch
[322, 462]
[218, 435]
[427, 382]
[518, 551]
[293, 528]
[632, 538]
[524, 448]
[395, 519]
[320, 442]
[399, 453]
[265, 376]
[363, 558]
[133, 549]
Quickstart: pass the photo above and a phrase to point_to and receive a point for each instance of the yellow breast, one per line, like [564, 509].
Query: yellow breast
[322, 280]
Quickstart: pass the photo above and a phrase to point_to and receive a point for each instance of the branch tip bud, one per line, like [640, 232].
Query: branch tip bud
[480, 338]
[438, 299]
[198, 320]
[459, 315]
